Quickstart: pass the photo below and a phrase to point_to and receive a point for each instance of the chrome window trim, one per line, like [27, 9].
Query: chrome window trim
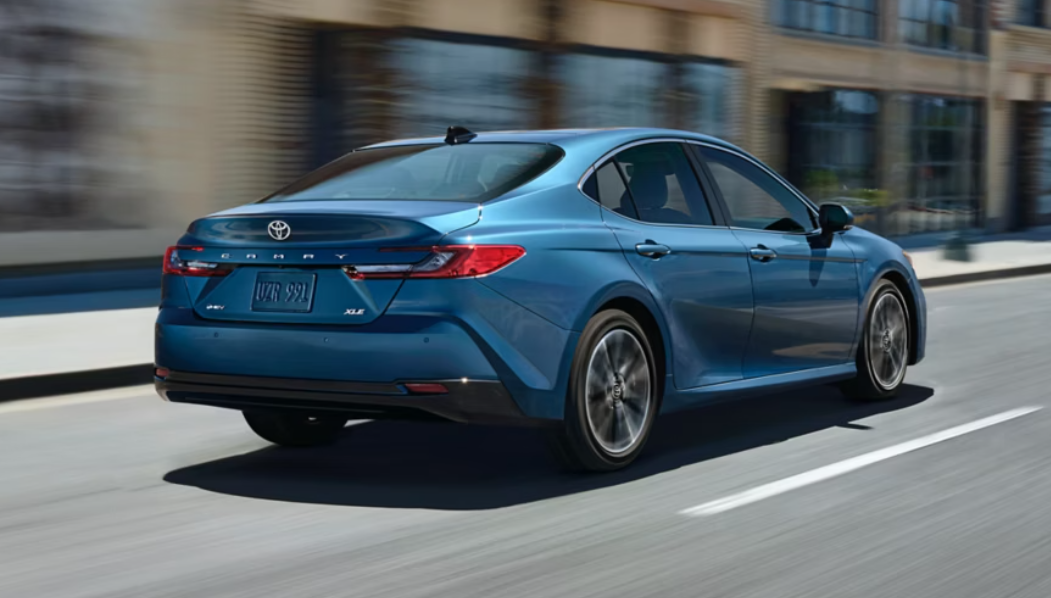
[770, 172]
[605, 157]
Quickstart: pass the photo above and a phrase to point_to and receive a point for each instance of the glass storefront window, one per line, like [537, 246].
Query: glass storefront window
[710, 90]
[1043, 200]
[944, 174]
[832, 137]
[607, 91]
[954, 25]
[440, 84]
[1030, 12]
[847, 18]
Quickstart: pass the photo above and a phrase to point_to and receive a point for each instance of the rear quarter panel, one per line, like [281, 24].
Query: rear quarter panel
[573, 265]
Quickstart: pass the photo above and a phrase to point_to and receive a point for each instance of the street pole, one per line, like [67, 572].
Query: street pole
[958, 247]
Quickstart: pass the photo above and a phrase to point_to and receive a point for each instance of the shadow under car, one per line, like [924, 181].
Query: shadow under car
[441, 466]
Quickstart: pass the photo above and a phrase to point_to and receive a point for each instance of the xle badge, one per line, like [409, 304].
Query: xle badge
[354, 312]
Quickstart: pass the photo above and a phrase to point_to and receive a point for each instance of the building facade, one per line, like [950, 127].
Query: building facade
[923, 115]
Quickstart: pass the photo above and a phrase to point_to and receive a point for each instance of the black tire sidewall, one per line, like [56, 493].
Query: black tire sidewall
[870, 385]
[589, 452]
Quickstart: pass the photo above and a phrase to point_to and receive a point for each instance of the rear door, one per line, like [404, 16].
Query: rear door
[695, 269]
[806, 286]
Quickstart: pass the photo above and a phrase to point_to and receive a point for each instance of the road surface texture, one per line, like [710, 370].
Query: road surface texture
[944, 492]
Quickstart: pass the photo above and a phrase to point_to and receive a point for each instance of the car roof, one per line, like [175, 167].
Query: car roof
[567, 138]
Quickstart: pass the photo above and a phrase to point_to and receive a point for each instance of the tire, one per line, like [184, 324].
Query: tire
[295, 429]
[883, 354]
[607, 432]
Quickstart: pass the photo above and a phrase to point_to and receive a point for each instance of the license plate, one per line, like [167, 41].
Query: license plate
[283, 291]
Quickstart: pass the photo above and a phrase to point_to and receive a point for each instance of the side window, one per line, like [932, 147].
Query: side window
[663, 184]
[607, 187]
[756, 200]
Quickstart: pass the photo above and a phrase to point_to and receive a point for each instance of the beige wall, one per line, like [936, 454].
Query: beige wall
[506, 18]
[361, 12]
[717, 37]
[616, 25]
[863, 67]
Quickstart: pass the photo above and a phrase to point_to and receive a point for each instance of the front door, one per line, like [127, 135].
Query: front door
[805, 285]
[697, 272]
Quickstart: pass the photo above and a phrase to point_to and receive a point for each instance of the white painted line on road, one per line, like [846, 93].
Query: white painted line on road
[101, 396]
[837, 469]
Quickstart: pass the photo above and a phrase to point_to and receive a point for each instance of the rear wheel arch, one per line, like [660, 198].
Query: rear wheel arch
[645, 317]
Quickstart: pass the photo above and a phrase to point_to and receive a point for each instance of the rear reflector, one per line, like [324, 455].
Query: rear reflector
[427, 388]
[161, 372]
[179, 262]
[446, 261]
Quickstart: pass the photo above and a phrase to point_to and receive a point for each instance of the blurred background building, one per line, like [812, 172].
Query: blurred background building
[122, 120]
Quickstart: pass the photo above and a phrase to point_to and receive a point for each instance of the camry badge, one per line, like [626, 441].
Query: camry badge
[279, 230]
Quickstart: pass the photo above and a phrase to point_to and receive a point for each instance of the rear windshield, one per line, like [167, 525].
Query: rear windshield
[473, 172]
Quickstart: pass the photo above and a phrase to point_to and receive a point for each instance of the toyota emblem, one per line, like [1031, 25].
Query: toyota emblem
[279, 230]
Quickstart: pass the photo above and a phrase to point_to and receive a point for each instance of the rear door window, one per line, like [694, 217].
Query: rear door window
[663, 184]
[475, 172]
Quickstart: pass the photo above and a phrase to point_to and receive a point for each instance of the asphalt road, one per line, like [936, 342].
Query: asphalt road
[118, 494]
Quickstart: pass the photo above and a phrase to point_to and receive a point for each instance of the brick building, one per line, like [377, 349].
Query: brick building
[924, 115]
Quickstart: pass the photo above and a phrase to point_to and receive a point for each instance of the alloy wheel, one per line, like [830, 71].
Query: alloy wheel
[888, 341]
[619, 391]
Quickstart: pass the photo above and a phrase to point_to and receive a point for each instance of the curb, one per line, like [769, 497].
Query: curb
[33, 387]
[941, 281]
[14, 389]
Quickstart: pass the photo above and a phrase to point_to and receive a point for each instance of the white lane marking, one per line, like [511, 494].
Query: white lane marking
[101, 396]
[837, 469]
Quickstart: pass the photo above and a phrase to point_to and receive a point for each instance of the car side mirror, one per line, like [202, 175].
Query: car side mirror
[833, 217]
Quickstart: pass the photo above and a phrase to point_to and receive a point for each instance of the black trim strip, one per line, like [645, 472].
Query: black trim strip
[476, 401]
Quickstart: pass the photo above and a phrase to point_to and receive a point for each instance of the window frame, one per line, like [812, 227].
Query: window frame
[718, 195]
[714, 208]
[782, 9]
[980, 32]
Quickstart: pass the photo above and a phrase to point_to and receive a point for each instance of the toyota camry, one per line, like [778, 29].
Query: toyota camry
[584, 281]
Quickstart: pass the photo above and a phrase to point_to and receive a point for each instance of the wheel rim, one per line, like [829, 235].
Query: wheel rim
[888, 338]
[618, 392]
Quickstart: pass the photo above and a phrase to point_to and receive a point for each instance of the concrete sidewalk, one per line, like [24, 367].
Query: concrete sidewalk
[43, 349]
[989, 260]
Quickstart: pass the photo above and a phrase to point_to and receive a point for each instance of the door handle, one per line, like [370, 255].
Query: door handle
[762, 254]
[653, 250]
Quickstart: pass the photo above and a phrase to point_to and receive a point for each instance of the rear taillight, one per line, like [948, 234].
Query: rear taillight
[180, 261]
[447, 261]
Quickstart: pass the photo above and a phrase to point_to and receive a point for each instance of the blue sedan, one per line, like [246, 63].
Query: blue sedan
[580, 280]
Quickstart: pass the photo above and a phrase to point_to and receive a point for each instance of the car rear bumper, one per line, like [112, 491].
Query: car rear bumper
[430, 332]
[467, 401]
